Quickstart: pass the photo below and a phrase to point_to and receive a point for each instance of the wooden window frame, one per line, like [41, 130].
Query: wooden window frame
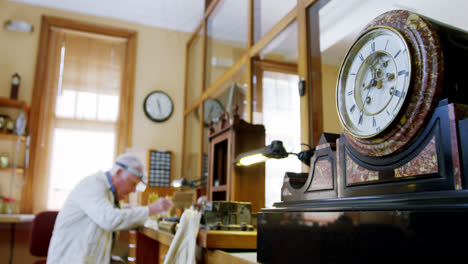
[36, 127]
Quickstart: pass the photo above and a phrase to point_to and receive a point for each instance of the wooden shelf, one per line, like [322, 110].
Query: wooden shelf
[18, 170]
[7, 102]
[220, 188]
[11, 136]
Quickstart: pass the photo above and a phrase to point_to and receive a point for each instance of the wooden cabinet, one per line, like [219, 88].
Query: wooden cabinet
[226, 182]
[14, 148]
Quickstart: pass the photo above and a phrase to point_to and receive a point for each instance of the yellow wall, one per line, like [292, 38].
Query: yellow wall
[159, 66]
[331, 121]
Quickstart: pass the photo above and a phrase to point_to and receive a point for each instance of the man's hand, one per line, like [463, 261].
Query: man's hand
[161, 205]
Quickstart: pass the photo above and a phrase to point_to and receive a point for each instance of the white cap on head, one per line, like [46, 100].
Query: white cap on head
[132, 163]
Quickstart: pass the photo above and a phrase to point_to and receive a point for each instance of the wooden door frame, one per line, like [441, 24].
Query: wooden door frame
[39, 93]
[259, 67]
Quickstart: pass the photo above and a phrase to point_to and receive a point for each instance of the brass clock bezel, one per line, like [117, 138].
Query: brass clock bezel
[345, 67]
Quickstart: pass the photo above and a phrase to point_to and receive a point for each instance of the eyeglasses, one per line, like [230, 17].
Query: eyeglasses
[137, 173]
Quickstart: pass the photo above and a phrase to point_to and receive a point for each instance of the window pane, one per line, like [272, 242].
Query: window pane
[88, 90]
[191, 150]
[227, 38]
[195, 63]
[86, 106]
[276, 105]
[268, 13]
[283, 48]
[77, 154]
[65, 107]
[108, 107]
[229, 95]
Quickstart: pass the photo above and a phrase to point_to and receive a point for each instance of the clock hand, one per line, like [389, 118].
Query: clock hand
[209, 114]
[372, 81]
[376, 61]
[385, 63]
[367, 86]
[367, 96]
[159, 106]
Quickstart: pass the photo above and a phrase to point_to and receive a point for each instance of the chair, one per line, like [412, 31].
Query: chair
[41, 232]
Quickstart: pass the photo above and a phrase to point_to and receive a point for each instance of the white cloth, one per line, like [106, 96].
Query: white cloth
[183, 246]
[84, 226]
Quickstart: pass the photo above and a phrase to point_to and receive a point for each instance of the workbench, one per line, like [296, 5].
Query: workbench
[150, 245]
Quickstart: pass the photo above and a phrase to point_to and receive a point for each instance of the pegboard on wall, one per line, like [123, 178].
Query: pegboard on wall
[159, 168]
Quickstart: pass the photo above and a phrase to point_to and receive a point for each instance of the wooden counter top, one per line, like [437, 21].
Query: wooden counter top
[227, 239]
[158, 235]
[154, 247]
[210, 238]
[16, 218]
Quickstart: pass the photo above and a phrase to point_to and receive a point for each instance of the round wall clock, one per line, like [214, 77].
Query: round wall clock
[212, 110]
[158, 106]
[385, 92]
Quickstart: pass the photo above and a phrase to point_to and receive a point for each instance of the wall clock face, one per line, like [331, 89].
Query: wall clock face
[158, 106]
[212, 110]
[373, 82]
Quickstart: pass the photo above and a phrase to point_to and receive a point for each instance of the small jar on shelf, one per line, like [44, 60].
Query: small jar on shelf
[4, 160]
[9, 206]
[3, 119]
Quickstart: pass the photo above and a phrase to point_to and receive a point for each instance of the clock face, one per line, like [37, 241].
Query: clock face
[15, 80]
[158, 106]
[373, 82]
[212, 110]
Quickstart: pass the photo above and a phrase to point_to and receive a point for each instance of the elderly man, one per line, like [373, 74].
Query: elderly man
[84, 231]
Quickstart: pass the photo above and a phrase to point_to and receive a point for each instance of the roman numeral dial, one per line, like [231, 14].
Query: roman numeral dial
[373, 82]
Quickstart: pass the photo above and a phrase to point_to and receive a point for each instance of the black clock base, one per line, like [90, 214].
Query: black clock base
[431, 162]
[415, 228]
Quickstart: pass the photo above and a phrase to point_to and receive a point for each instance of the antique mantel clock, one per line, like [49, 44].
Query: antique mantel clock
[394, 184]
[400, 91]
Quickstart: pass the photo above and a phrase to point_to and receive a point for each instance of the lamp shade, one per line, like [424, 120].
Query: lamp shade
[18, 25]
[275, 150]
[179, 183]
[192, 184]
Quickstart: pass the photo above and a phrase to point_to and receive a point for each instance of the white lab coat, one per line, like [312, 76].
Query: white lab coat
[84, 226]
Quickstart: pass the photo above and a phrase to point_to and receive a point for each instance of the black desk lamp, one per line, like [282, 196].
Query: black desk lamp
[192, 184]
[275, 150]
